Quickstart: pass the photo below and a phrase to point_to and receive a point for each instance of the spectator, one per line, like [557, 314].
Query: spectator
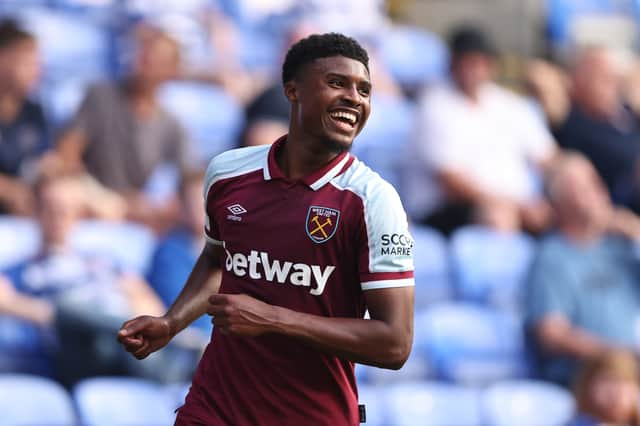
[60, 283]
[121, 135]
[177, 252]
[23, 128]
[476, 147]
[607, 391]
[583, 295]
[599, 126]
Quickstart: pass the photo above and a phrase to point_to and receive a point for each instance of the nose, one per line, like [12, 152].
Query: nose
[352, 95]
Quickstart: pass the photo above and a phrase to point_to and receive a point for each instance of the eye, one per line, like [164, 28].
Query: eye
[335, 83]
[364, 91]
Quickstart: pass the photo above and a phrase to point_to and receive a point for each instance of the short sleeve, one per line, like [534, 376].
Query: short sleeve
[537, 139]
[385, 256]
[211, 231]
[548, 290]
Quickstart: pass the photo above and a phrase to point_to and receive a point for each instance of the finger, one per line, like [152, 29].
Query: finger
[218, 299]
[220, 322]
[132, 327]
[214, 310]
[142, 352]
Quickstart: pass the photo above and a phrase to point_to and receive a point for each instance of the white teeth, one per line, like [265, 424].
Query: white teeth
[346, 115]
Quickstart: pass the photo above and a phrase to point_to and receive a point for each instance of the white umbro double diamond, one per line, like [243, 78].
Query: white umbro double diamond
[236, 209]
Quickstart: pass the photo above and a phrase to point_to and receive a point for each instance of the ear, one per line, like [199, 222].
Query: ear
[291, 91]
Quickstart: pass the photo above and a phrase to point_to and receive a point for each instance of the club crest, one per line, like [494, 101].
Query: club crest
[322, 223]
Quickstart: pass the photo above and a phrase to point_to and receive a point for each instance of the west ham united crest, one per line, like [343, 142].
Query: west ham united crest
[322, 223]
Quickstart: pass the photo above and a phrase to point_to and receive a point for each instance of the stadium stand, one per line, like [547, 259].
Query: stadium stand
[32, 400]
[470, 344]
[112, 401]
[526, 403]
[480, 271]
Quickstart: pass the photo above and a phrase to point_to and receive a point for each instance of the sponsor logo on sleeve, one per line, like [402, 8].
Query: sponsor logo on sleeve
[396, 245]
[322, 223]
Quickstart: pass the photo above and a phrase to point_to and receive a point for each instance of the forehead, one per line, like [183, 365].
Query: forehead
[339, 65]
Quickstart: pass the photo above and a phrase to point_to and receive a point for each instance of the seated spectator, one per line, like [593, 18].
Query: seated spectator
[583, 294]
[607, 391]
[601, 127]
[23, 128]
[177, 252]
[60, 283]
[476, 147]
[121, 135]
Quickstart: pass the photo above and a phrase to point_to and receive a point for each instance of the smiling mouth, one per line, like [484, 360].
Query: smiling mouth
[344, 119]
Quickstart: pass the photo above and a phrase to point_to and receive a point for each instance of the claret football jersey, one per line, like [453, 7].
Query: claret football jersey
[314, 246]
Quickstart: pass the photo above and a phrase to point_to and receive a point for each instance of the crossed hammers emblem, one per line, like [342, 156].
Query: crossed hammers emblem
[320, 226]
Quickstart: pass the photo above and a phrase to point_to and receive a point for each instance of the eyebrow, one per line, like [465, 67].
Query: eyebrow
[364, 82]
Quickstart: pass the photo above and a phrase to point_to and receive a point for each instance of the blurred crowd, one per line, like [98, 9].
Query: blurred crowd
[110, 111]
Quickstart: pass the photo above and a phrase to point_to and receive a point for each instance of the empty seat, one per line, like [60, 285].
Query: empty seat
[414, 57]
[470, 344]
[32, 400]
[212, 118]
[490, 266]
[432, 266]
[112, 401]
[432, 404]
[527, 403]
[129, 244]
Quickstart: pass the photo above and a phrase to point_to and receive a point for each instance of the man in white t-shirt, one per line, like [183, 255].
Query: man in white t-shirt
[480, 149]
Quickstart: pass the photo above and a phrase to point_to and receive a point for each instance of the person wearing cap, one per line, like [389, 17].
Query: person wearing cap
[478, 148]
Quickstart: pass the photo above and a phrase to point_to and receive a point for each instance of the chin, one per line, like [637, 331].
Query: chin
[338, 143]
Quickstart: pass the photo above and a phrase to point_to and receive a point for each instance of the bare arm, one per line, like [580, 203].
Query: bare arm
[383, 341]
[70, 148]
[146, 334]
[556, 335]
[203, 281]
[24, 306]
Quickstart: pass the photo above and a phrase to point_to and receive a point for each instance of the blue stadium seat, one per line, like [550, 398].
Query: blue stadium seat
[176, 393]
[114, 401]
[212, 118]
[470, 344]
[562, 13]
[415, 369]
[72, 45]
[491, 267]
[373, 398]
[63, 99]
[128, 244]
[414, 56]
[385, 137]
[432, 266]
[432, 404]
[32, 400]
[527, 403]
[20, 239]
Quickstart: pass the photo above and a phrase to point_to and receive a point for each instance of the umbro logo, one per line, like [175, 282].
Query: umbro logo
[236, 210]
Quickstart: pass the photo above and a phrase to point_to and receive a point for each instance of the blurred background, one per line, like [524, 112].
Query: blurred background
[509, 127]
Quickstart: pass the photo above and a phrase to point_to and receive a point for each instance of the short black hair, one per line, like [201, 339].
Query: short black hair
[11, 32]
[470, 39]
[321, 46]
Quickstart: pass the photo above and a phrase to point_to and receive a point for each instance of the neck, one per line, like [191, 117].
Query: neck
[10, 104]
[299, 156]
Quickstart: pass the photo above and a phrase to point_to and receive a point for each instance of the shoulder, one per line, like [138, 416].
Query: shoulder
[369, 186]
[236, 162]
